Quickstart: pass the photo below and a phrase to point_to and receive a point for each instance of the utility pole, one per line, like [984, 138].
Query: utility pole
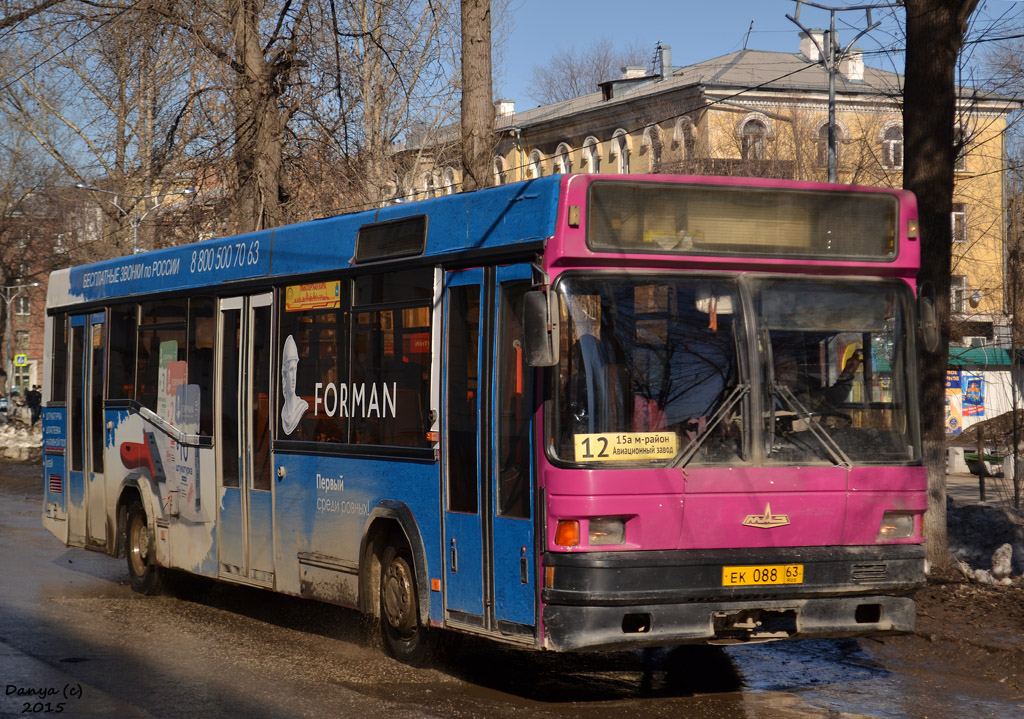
[831, 56]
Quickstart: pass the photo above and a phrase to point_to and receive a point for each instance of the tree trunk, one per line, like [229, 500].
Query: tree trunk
[477, 100]
[258, 126]
[935, 30]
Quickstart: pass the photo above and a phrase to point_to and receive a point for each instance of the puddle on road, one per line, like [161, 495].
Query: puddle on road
[840, 676]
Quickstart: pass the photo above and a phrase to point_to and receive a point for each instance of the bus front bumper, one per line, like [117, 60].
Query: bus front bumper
[606, 600]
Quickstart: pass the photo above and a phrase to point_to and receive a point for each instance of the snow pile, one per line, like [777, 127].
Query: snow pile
[986, 542]
[20, 443]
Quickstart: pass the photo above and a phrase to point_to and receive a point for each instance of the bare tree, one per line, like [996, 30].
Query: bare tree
[935, 34]
[106, 93]
[572, 73]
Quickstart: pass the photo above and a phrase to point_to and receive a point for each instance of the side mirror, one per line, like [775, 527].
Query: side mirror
[540, 328]
[928, 323]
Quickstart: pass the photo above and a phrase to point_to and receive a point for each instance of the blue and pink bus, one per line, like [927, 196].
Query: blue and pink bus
[580, 412]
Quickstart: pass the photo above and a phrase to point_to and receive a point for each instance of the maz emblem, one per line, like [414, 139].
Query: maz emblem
[766, 520]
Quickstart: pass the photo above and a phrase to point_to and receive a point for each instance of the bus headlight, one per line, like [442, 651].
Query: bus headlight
[607, 530]
[896, 525]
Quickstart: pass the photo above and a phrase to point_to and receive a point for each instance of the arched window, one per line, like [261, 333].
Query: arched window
[563, 160]
[822, 143]
[892, 147]
[754, 140]
[651, 144]
[427, 186]
[591, 156]
[620, 151]
[499, 171]
[683, 138]
[448, 181]
[536, 168]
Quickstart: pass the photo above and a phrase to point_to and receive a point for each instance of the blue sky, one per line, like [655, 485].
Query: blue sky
[695, 29]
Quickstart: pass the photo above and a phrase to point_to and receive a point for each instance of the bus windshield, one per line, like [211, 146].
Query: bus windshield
[834, 371]
[653, 371]
[648, 359]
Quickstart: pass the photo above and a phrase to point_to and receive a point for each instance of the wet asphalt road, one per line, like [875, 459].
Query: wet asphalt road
[75, 640]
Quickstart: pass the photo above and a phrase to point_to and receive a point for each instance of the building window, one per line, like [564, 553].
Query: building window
[754, 140]
[563, 161]
[961, 137]
[620, 151]
[959, 222]
[428, 185]
[892, 148]
[536, 168]
[651, 143]
[958, 294]
[591, 156]
[22, 306]
[448, 181]
[499, 171]
[683, 137]
[21, 341]
[822, 144]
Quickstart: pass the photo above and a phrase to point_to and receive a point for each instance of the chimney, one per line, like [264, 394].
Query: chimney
[504, 108]
[665, 60]
[807, 47]
[852, 66]
[630, 72]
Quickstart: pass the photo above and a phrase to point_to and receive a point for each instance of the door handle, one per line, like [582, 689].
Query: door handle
[455, 558]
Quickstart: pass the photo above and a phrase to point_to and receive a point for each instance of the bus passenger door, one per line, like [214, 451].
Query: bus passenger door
[488, 481]
[245, 511]
[513, 561]
[462, 416]
[87, 497]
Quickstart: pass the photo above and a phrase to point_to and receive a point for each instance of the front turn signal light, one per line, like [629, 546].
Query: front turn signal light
[567, 533]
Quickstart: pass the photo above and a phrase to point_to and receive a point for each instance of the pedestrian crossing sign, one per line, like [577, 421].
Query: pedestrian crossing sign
[20, 360]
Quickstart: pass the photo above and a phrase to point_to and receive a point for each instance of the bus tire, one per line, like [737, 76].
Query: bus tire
[144, 575]
[405, 637]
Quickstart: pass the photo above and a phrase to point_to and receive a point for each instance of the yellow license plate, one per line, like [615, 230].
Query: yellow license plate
[761, 575]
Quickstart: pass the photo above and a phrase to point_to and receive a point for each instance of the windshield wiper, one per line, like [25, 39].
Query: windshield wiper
[687, 453]
[815, 428]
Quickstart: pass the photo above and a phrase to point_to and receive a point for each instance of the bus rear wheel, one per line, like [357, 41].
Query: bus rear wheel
[144, 575]
[405, 637]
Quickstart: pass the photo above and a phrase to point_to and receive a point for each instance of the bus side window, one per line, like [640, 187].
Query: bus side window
[59, 365]
[161, 342]
[202, 330]
[122, 338]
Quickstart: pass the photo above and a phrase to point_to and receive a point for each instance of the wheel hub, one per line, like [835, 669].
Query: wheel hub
[399, 601]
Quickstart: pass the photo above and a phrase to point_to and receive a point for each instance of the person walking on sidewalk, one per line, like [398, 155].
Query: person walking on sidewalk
[34, 399]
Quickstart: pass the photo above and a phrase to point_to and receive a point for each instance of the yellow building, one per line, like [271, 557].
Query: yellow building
[766, 114]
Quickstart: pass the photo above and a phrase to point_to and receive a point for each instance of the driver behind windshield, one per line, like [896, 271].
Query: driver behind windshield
[802, 378]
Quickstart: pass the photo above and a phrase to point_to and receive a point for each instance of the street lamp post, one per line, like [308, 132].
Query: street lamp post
[133, 217]
[831, 56]
[8, 293]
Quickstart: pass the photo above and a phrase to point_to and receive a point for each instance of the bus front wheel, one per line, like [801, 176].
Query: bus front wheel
[144, 575]
[405, 637]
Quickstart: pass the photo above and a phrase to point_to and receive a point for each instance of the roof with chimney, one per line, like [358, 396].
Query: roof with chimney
[743, 71]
